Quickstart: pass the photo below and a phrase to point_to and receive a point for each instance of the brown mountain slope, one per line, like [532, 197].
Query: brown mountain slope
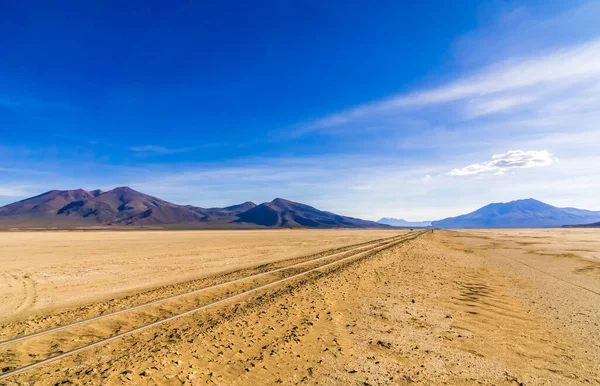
[46, 203]
[227, 214]
[288, 214]
[124, 206]
[120, 206]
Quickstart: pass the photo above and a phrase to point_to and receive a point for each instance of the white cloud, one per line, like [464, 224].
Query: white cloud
[512, 159]
[426, 179]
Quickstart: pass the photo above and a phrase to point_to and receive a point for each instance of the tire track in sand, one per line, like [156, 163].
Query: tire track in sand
[62, 354]
[29, 293]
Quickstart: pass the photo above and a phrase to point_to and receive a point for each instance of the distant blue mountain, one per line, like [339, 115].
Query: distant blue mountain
[594, 225]
[527, 213]
[398, 222]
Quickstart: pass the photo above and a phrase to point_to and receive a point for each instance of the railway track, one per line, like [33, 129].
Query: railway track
[26, 352]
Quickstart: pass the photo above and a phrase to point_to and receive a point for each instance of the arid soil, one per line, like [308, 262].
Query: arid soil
[42, 271]
[448, 307]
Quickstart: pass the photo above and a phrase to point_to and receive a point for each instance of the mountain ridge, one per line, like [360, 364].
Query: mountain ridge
[125, 207]
[284, 213]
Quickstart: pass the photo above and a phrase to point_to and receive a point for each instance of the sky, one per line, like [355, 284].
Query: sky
[415, 110]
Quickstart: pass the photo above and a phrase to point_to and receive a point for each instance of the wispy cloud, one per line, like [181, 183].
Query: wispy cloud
[486, 106]
[23, 171]
[161, 150]
[512, 159]
[492, 89]
[12, 192]
[362, 187]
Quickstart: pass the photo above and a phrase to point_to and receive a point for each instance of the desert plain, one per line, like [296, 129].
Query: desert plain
[357, 307]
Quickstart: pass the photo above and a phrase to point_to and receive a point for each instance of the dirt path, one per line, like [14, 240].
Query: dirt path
[26, 352]
[75, 268]
[54, 319]
[439, 309]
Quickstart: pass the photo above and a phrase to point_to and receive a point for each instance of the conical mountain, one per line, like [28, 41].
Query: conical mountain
[528, 213]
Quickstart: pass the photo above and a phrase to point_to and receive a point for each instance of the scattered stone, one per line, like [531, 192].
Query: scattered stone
[384, 344]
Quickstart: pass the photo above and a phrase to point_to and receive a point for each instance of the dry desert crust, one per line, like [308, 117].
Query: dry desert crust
[356, 307]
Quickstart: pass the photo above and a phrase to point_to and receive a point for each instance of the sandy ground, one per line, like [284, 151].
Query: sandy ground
[42, 271]
[515, 307]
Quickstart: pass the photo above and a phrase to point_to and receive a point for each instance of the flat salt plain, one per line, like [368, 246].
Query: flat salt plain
[51, 270]
[500, 307]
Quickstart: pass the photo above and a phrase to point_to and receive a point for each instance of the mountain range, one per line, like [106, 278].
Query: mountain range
[123, 207]
[527, 213]
[398, 222]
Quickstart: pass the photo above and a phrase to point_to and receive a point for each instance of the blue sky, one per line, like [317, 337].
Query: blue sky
[418, 110]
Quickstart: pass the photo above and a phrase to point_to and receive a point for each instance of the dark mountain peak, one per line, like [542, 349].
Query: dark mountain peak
[289, 214]
[264, 214]
[280, 200]
[283, 205]
[527, 202]
[226, 214]
[123, 189]
[124, 205]
[96, 192]
[63, 193]
[241, 207]
[126, 194]
[287, 204]
[49, 194]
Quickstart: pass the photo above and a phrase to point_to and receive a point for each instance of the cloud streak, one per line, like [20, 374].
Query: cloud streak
[487, 106]
[512, 159]
[152, 149]
[492, 89]
[161, 150]
[362, 187]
